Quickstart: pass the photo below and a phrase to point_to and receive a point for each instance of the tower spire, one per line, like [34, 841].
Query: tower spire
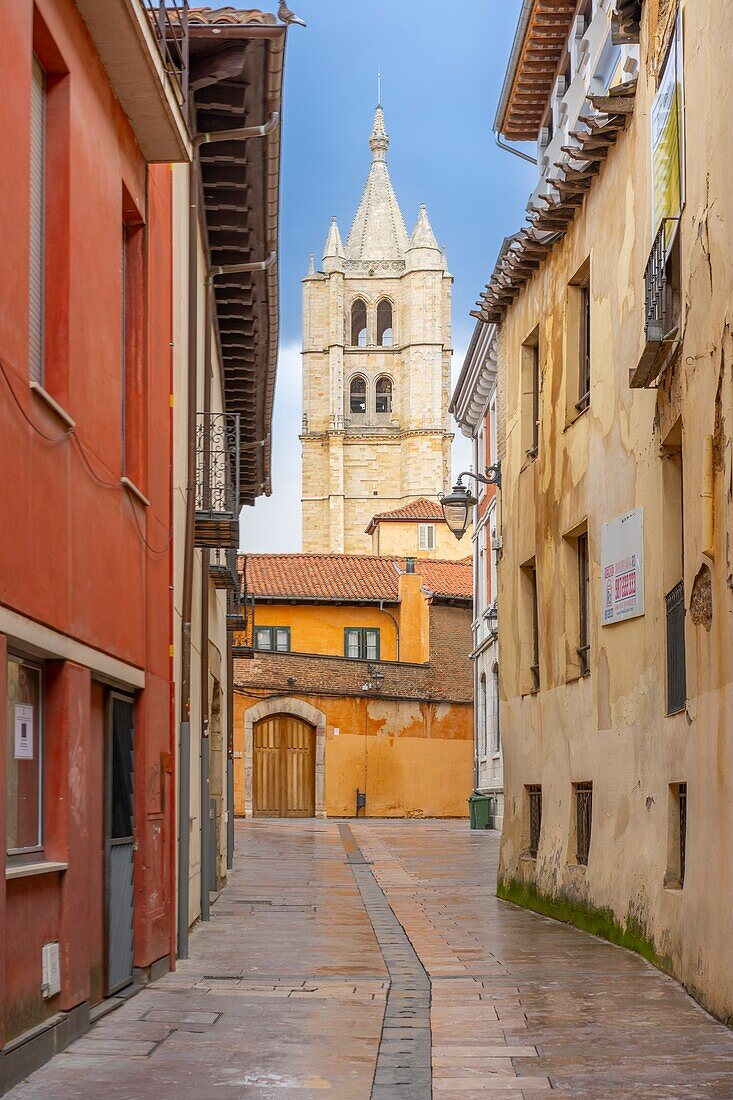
[379, 141]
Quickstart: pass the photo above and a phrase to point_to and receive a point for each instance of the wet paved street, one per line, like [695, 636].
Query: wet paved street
[373, 959]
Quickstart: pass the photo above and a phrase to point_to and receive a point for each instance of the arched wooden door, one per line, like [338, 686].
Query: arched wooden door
[284, 771]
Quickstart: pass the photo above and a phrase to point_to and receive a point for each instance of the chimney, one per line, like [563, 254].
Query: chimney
[414, 615]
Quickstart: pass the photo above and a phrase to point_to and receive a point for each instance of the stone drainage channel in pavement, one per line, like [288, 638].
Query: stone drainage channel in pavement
[403, 1069]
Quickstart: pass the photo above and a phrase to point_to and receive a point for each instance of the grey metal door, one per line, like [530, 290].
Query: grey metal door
[120, 842]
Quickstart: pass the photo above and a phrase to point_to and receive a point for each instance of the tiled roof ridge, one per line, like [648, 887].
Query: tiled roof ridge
[210, 16]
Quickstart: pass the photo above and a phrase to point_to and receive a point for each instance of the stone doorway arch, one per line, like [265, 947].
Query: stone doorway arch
[299, 709]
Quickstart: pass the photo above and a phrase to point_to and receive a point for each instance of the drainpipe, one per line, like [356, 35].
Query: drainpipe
[230, 753]
[184, 737]
[205, 784]
[510, 149]
[396, 628]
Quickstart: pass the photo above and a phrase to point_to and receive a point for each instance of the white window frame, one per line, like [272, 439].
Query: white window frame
[426, 536]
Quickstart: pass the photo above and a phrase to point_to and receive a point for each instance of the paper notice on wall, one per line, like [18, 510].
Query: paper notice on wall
[622, 568]
[23, 731]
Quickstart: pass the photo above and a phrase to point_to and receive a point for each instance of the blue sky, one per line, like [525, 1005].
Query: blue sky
[442, 63]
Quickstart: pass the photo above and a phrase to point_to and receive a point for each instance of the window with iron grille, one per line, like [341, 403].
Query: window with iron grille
[583, 821]
[676, 663]
[682, 805]
[534, 794]
[361, 643]
[583, 605]
[275, 638]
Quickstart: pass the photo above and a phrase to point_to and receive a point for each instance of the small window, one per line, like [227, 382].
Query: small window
[534, 799]
[37, 266]
[361, 643]
[357, 396]
[482, 739]
[359, 324]
[531, 394]
[275, 638]
[426, 536]
[677, 837]
[676, 661]
[583, 347]
[583, 604]
[384, 395]
[496, 725]
[583, 821]
[530, 628]
[24, 756]
[384, 324]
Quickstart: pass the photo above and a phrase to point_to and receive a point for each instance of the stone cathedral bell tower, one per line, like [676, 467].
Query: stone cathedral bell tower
[376, 369]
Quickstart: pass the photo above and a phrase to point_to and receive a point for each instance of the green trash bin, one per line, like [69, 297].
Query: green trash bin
[478, 810]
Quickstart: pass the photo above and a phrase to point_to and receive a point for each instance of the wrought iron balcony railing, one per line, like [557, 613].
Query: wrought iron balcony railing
[223, 570]
[169, 20]
[655, 288]
[217, 480]
[660, 313]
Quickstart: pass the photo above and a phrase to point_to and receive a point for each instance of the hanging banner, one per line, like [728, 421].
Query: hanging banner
[622, 568]
[667, 140]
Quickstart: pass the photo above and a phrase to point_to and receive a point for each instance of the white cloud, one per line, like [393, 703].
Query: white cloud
[273, 525]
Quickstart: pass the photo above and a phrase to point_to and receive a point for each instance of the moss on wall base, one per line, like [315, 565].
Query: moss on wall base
[588, 918]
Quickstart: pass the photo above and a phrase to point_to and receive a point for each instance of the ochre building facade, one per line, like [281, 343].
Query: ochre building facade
[338, 692]
[376, 369]
[614, 582]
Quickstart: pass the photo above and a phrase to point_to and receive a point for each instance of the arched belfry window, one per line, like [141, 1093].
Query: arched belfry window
[359, 324]
[357, 396]
[385, 333]
[384, 395]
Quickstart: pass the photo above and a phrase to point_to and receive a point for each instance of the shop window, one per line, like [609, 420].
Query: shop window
[359, 324]
[426, 536]
[385, 333]
[274, 638]
[24, 757]
[384, 395]
[361, 643]
[357, 396]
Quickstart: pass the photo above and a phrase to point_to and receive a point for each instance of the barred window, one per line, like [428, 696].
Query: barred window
[583, 820]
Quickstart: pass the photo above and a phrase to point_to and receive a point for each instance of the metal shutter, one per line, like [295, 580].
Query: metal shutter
[37, 222]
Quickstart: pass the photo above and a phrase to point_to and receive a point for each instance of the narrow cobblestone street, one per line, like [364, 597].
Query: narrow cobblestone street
[373, 959]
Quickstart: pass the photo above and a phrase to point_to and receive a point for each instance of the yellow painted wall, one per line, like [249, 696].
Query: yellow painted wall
[414, 759]
[400, 540]
[319, 628]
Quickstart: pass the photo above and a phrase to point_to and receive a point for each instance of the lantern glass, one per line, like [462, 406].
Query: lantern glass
[457, 509]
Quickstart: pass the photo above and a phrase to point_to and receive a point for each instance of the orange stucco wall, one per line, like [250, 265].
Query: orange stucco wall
[319, 628]
[413, 758]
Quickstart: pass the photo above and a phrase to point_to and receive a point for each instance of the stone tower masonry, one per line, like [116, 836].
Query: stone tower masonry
[376, 369]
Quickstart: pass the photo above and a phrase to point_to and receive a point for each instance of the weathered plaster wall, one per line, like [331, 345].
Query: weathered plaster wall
[611, 727]
[413, 758]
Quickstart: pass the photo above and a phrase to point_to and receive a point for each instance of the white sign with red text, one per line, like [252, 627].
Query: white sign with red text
[622, 568]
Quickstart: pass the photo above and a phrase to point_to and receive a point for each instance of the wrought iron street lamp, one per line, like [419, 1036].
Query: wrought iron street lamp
[458, 503]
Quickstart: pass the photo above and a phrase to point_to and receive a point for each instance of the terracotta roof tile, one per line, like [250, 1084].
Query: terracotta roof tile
[350, 577]
[231, 16]
[422, 509]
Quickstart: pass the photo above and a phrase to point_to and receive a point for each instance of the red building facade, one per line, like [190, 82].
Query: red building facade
[87, 793]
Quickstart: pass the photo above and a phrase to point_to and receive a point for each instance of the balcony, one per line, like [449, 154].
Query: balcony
[143, 45]
[217, 481]
[661, 306]
[223, 570]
